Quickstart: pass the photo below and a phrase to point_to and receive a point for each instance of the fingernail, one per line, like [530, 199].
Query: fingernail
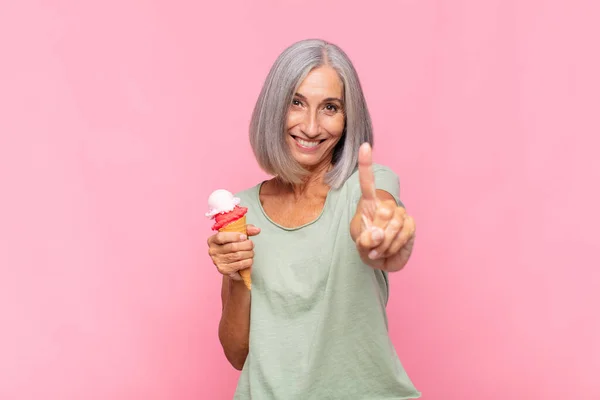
[377, 234]
[373, 254]
[243, 237]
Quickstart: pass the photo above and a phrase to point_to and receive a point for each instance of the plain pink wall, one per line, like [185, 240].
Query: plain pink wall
[113, 117]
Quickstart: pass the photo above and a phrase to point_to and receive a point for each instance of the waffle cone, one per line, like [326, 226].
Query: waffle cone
[239, 225]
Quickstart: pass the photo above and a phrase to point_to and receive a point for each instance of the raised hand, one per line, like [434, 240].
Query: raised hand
[383, 232]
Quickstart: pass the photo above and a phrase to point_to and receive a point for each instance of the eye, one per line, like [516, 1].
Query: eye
[331, 108]
[296, 103]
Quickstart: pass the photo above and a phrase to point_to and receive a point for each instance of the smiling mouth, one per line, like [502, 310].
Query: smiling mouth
[309, 144]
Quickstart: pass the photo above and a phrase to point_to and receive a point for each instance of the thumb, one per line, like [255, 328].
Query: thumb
[252, 230]
[370, 238]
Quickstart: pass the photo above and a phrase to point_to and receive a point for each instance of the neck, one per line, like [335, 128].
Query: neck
[313, 184]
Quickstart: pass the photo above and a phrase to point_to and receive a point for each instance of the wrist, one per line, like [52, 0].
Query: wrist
[237, 286]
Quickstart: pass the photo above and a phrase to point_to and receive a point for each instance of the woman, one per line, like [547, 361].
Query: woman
[325, 231]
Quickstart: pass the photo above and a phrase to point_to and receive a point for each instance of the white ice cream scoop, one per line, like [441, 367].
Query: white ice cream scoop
[221, 201]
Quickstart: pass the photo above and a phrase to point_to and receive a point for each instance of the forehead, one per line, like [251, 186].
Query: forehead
[322, 81]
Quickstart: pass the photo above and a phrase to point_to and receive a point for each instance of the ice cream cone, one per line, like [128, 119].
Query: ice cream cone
[239, 225]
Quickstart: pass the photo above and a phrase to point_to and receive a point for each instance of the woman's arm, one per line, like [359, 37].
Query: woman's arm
[231, 252]
[234, 328]
[382, 230]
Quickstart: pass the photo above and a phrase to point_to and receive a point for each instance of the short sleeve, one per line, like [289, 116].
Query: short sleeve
[385, 179]
[388, 180]
[248, 196]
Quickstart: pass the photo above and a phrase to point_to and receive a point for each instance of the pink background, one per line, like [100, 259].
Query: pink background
[112, 116]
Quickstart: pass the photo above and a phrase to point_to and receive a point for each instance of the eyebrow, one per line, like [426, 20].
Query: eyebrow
[329, 99]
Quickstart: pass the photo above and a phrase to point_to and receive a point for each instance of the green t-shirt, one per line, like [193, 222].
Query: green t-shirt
[318, 324]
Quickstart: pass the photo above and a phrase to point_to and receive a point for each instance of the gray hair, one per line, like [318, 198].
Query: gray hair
[268, 122]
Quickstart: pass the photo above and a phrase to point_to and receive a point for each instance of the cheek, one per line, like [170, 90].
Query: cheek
[335, 125]
[293, 119]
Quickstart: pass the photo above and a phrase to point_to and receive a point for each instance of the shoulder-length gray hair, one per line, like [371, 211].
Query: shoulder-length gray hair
[268, 122]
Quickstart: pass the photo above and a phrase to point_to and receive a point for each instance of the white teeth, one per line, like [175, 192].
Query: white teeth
[306, 143]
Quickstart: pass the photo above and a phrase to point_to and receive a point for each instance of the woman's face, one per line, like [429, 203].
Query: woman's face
[315, 122]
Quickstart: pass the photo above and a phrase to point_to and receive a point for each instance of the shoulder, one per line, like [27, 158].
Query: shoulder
[385, 179]
[384, 175]
[383, 172]
[379, 170]
[248, 194]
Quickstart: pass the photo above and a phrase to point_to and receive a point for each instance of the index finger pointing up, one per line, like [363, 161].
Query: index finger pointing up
[365, 172]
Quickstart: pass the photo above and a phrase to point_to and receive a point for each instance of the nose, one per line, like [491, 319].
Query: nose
[310, 125]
